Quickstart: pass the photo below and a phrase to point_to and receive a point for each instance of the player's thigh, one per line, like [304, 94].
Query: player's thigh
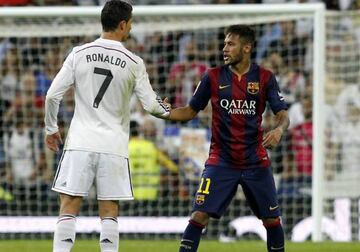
[216, 189]
[75, 173]
[113, 178]
[259, 188]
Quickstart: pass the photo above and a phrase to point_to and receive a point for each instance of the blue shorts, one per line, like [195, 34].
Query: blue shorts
[218, 185]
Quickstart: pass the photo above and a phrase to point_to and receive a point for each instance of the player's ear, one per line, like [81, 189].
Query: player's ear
[247, 48]
[122, 25]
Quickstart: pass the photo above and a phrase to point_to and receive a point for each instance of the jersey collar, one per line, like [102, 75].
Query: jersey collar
[110, 41]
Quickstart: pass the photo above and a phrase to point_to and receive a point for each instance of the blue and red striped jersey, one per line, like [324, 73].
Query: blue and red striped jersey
[237, 108]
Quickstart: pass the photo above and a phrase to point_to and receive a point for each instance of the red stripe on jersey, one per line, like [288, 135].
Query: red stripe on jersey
[215, 150]
[265, 76]
[238, 122]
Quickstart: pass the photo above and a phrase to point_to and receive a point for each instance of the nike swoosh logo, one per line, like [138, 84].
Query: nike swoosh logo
[273, 208]
[222, 87]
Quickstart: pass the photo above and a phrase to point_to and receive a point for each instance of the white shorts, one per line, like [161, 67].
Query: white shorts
[77, 171]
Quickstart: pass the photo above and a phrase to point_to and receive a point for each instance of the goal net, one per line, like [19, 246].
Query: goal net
[178, 44]
[342, 113]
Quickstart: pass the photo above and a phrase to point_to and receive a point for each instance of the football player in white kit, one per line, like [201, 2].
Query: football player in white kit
[104, 75]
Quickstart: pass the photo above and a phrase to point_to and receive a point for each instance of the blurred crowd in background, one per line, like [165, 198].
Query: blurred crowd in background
[167, 158]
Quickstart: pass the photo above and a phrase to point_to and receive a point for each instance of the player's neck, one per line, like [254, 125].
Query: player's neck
[241, 68]
[111, 36]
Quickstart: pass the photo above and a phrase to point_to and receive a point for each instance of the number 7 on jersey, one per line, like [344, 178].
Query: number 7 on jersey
[104, 86]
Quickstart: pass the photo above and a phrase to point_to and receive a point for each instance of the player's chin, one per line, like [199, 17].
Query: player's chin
[227, 62]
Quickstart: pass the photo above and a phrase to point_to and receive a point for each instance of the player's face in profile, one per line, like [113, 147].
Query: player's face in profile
[232, 50]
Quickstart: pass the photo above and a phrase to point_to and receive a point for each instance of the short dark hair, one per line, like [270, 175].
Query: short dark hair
[113, 13]
[245, 32]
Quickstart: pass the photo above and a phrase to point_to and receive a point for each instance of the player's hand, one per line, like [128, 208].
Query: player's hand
[167, 103]
[168, 106]
[272, 138]
[53, 141]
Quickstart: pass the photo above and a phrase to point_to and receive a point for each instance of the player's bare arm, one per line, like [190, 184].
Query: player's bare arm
[272, 138]
[182, 114]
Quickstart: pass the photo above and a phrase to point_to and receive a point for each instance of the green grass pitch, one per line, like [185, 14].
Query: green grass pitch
[169, 246]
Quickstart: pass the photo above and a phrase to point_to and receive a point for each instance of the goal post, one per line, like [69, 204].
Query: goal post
[76, 24]
[318, 121]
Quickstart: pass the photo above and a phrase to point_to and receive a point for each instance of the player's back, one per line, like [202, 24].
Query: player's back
[105, 74]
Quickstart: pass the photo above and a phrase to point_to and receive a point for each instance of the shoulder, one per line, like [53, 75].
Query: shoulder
[209, 74]
[266, 75]
[80, 48]
[216, 70]
[135, 62]
[129, 55]
[264, 71]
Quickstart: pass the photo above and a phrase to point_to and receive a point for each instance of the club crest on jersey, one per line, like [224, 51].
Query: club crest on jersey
[200, 198]
[253, 87]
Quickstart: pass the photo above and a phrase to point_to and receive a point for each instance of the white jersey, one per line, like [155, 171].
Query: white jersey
[22, 154]
[104, 75]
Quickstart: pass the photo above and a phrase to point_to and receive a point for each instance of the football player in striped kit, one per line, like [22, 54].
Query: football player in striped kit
[238, 91]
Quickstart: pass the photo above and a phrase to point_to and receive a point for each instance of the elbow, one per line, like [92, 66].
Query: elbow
[192, 115]
[51, 99]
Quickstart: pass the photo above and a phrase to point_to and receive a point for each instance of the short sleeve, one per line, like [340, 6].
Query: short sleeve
[202, 94]
[274, 96]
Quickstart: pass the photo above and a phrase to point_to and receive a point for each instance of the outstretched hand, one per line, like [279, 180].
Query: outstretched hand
[53, 141]
[166, 102]
[272, 138]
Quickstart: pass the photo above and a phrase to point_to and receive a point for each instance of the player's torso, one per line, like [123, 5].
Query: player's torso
[238, 105]
[104, 77]
[104, 82]
[20, 152]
